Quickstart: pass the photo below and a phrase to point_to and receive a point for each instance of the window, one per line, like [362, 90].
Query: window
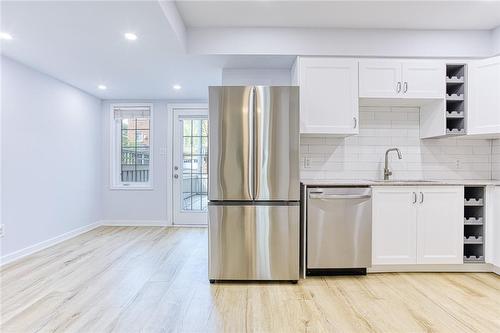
[131, 150]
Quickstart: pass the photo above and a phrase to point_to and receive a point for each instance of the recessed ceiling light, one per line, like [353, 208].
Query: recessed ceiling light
[177, 87]
[5, 36]
[102, 87]
[130, 36]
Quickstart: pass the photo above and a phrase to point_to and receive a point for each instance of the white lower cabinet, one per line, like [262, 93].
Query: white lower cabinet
[394, 225]
[417, 225]
[492, 226]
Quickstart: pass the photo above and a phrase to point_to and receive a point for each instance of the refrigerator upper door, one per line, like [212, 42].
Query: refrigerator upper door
[230, 145]
[276, 144]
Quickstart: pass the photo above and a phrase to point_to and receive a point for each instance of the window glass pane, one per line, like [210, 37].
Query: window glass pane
[195, 160]
[196, 127]
[186, 124]
[204, 128]
[142, 123]
[135, 149]
[142, 137]
[187, 145]
[196, 145]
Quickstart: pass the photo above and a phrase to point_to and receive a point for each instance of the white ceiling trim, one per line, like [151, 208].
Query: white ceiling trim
[175, 21]
[341, 42]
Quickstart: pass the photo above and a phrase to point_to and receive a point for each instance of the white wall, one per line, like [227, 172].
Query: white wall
[51, 158]
[362, 157]
[255, 76]
[148, 207]
[495, 41]
[496, 159]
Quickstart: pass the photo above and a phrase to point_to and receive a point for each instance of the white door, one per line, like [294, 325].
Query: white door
[483, 113]
[394, 225]
[424, 79]
[328, 96]
[440, 225]
[190, 161]
[380, 79]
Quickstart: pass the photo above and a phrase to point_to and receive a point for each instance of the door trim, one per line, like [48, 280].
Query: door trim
[169, 152]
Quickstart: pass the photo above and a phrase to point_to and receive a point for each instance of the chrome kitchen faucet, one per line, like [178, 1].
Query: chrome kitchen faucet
[387, 172]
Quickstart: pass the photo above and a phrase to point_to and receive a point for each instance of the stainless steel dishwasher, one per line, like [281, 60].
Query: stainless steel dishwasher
[339, 230]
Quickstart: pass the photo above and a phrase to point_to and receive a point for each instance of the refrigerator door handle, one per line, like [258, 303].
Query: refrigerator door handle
[252, 178]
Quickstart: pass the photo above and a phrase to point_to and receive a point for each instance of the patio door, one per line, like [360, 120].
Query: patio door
[190, 162]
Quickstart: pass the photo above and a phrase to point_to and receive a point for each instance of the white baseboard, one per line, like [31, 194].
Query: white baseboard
[496, 269]
[430, 268]
[14, 256]
[136, 223]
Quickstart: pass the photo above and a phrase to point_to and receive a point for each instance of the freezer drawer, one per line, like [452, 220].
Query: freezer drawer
[248, 242]
[339, 229]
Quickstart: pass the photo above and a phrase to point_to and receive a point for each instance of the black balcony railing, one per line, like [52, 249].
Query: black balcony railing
[135, 164]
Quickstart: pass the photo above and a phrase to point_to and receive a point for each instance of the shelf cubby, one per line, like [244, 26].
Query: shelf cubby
[455, 99]
[474, 224]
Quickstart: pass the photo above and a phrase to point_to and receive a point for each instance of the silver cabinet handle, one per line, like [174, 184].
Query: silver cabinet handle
[421, 197]
[414, 197]
[355, 122]
[405, 89]
[399, 87]
[338, 196]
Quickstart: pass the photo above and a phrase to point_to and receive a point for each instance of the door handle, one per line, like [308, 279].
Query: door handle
[414, 197]
[398, 87]
[338, 196]
[405, 89]
[355, 122]
[421, 197]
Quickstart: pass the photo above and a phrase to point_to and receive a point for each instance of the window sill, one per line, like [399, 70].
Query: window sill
[131, 188]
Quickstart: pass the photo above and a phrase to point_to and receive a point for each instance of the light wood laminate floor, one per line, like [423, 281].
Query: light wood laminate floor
[152, 279]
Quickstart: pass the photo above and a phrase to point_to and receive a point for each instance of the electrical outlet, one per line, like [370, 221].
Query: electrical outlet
[457, 164]
[1, 230]
[307, 162]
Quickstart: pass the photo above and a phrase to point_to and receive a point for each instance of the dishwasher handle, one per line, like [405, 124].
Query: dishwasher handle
[313, 195]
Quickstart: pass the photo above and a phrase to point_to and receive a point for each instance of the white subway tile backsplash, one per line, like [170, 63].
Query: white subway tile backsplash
[362, 156]
[495, 159]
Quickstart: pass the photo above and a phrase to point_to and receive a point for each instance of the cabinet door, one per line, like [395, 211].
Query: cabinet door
[424, 79]
[483, 113]
[492, 225]
[379, 79]
[440, 225]
[394, 225]
[328, 96]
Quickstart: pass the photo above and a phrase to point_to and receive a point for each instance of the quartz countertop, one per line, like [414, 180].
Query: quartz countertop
[396, 182]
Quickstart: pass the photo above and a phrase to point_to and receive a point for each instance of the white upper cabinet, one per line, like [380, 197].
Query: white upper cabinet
[379, 79]
[423, 79]
[402, 79]
[440, 225]
[483, 116]
[417, 225]
[328, 95]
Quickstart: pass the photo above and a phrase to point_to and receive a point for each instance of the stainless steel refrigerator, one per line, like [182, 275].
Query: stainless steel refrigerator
[254, 184]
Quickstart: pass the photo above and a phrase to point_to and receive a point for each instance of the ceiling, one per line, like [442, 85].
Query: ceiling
[457, 15]
[81, 42]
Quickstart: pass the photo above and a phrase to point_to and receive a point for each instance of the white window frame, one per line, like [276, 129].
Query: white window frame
[115, 151]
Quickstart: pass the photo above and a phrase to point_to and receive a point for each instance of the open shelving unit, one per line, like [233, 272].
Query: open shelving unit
[455, 99]
[474, 224]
